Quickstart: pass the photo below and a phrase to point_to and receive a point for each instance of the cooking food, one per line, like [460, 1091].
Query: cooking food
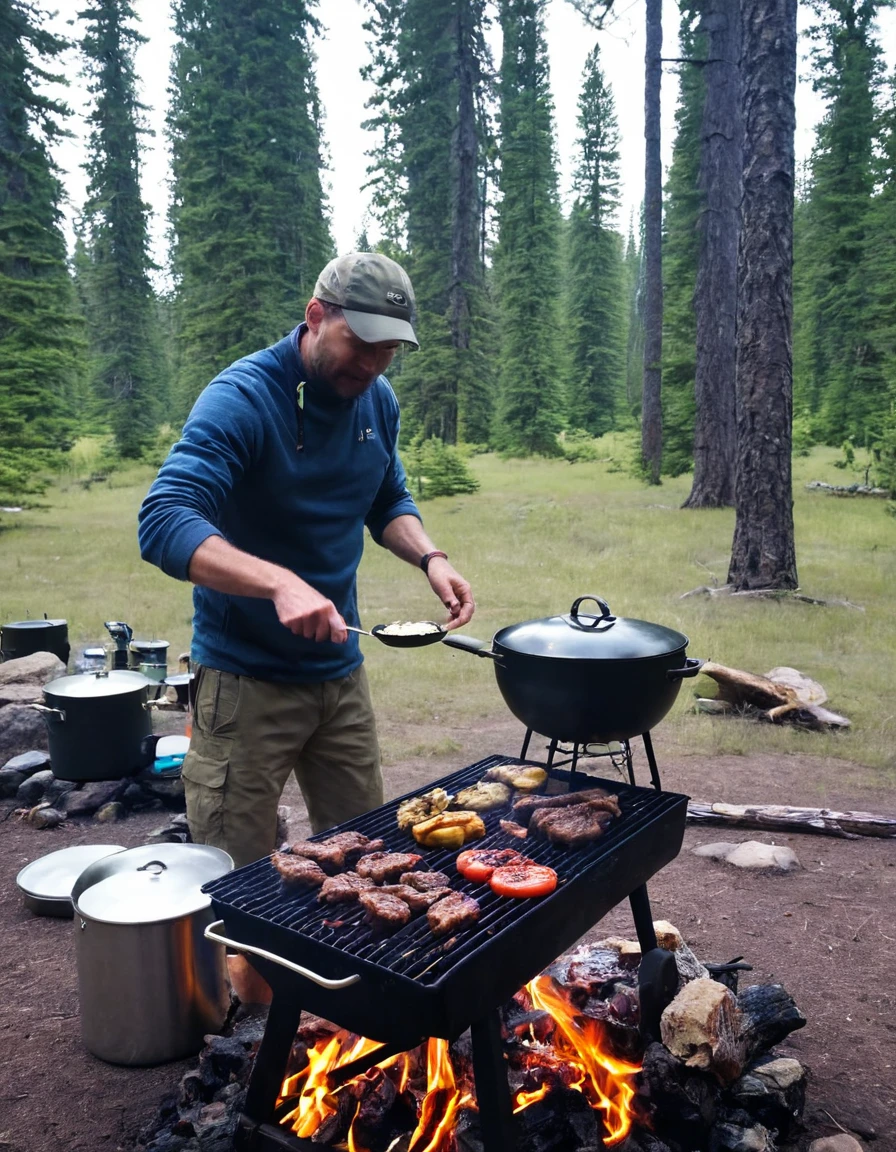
[418, 808]
[483, 796]
[383, 867]
[410, 628]
[523, 880]
[571, 827]
[338, 852]
[513, 829]
[477, 864]
[526, 805]
[384, 912]
[345, 886]
[298, 870]
[449, 830]
[452, 913]
[416, 900]
[523, 779]
[425, 881]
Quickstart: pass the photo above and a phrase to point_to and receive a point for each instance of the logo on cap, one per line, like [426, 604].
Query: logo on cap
[398, 298]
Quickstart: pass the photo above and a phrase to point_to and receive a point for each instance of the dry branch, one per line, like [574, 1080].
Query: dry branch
[768, 594]
[781, 817]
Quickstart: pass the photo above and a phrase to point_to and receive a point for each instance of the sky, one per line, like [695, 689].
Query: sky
[342, 52]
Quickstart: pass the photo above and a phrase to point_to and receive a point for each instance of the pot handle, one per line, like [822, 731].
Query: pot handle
[606, 617]
[162, 704]
[49, 713]
[211, 933]
[691, 667]
[469, 644]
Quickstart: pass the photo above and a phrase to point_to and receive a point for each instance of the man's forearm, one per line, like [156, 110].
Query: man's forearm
[405, 538]
[218, 565]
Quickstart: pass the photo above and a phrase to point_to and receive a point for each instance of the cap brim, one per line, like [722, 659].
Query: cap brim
[372, 328]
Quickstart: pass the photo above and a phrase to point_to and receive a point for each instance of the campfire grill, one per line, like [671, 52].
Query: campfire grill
[407, 987]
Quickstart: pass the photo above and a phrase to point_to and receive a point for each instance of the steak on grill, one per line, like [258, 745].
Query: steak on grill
[524, 807]
[298, 870]
[383, 867]
[452, 913]
[344, 886]
[425, 881]
[417, 901]
[338, 852]
[573, 826]
[384, 912]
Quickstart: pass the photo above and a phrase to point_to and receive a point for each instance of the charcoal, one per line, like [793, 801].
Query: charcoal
[681, 1102]
[734, 1137]
[772, 1092]
[769, 1014]
[563, 1121]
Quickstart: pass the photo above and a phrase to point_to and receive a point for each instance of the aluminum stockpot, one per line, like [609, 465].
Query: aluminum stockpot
[21, 638]
[586, 677]
[151, 985]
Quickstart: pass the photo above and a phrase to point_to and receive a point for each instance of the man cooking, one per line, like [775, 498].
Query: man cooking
[262, 504]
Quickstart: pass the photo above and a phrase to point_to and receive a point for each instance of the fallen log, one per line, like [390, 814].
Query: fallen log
[781, 817]
[847, 489]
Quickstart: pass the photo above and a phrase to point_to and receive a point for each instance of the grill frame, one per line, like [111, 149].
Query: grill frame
[512, 943]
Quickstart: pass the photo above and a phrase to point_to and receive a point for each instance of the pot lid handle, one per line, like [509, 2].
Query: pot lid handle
[588, 619]
[158, 867]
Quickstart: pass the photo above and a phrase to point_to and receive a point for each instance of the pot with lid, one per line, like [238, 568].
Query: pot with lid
[23, 637]
[150, 984]
[97, 724]
[587, 677]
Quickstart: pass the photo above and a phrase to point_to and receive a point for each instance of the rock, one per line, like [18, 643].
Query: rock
[168, 789]
[57, 788]
[738, 1138]
[94, 794]
[29, 762]
[10, 781]
[701, 1027]
[842, 1142]
[38, 668]
[110, 813]
[21, 729]
[668, 937]
[34, 788]
[20, 694]
[750, 854]
[43, 816]
[773, 1092]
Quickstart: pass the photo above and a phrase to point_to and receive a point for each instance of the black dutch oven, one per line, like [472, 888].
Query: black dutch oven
[99, 725]
[587, 678]
[24, 637]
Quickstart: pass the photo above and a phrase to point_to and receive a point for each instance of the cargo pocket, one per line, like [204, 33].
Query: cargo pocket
[217, 702]
[204, 774]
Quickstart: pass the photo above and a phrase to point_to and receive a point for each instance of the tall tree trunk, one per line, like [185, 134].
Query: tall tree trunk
[715, 296]
[762, 553]
[651, 402]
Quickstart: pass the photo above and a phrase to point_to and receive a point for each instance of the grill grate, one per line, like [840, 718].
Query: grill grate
[413, 951]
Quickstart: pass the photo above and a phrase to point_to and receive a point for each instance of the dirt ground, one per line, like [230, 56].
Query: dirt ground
[825, 932]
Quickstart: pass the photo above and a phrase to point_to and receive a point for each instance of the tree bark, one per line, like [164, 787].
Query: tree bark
[763, 553]
[715, 296]
[651, 399]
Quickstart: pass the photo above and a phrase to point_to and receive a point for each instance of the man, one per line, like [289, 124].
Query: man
[262, 504]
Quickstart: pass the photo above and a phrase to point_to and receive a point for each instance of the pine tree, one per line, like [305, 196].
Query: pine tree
[248, 213]
[652, 311]
[527, 272]
[120, 309]
[431, 72]
[40, 347]
[634, 341]
[596, 300]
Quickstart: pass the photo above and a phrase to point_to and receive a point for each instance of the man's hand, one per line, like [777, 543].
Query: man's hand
[454, 592]
[304, 611]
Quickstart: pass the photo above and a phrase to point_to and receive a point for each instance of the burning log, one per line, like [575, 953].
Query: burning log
[781, 817]
[768, 1015]
[702, 1027]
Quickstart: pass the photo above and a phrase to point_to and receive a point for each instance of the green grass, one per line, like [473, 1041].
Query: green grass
[536, 535]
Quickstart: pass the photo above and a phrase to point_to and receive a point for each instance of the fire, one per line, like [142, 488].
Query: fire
[574, 1055]
[605, 1080]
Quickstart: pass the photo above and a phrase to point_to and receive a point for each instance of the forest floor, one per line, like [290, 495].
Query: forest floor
[825, 931]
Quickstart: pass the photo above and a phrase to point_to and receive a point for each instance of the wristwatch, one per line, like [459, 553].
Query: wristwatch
[424, 560]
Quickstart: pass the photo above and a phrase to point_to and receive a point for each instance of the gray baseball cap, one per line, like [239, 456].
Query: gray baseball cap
[375, 295]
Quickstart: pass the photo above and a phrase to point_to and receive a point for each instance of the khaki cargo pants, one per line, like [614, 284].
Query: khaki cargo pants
[248, 735]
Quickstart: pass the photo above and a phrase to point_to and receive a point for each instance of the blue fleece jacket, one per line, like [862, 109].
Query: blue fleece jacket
[237, 472]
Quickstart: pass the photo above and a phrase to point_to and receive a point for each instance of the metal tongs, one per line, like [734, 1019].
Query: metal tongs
[409, 640]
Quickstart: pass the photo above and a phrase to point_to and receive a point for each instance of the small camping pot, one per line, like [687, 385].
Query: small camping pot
[148, 652]
[151, 986]
[23, 637]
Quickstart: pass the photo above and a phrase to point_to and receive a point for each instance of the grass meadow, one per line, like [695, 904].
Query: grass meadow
[537, 534]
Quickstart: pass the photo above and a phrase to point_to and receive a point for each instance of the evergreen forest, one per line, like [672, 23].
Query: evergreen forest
[531, 314]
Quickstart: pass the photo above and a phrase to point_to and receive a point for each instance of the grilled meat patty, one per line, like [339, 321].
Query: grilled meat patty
[384, 867]
[338, 852]
[527, 805]
[384, 912]
[344, 886]
[298, 870]
[572, 826]
[417, 901]
[425, 881]
[452, 913]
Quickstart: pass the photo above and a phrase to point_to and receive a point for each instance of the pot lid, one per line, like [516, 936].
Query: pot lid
[53, 876]
[118, 682]
[149, 884]
[180, 678]
[147, 645]
[591, 632]
[35, 624]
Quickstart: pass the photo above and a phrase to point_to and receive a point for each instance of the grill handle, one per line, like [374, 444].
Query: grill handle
[211, 933]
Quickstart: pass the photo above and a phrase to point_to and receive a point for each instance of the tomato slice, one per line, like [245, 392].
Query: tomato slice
[477, 864]
[525, 879]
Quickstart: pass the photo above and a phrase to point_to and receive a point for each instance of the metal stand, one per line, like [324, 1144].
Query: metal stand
[572, 754]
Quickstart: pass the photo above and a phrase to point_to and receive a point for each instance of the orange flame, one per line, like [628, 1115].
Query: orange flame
[606, 1079]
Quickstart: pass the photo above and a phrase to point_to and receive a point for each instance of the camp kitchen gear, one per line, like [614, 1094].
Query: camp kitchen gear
[23, 637]
[169, 755]
[182, 683]
[411, 985]
[586, 677]
[96, 724]
[152, 652]
[121, 633]
[150, 984]
[46, 884]
[397, 640]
